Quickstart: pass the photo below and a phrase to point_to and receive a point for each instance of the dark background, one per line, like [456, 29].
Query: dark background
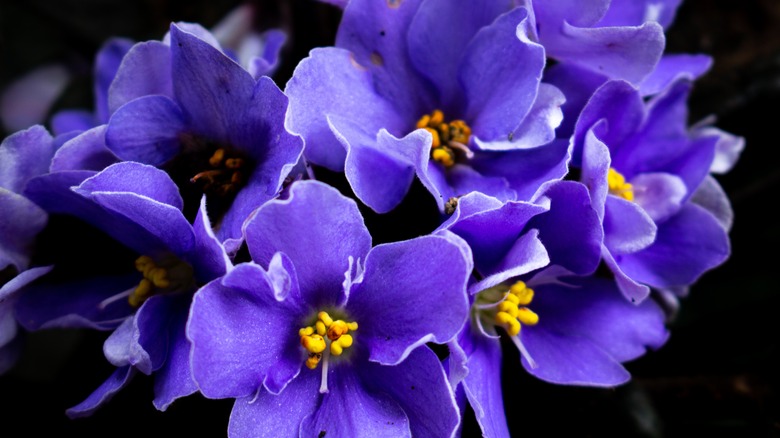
[717, 375]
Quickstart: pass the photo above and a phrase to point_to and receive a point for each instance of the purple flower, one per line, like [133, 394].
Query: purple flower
[575, 333]
[447, 91]
[23, 155]
[155, 263]
[191, 110]
[323, 334]
[643, 167]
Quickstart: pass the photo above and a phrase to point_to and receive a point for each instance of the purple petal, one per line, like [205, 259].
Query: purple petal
[26, 101]
[578, 85]
[576, 12]
[671, 68]
[402, 283]
[242, 337]
[595, 168]
[378, 416]
[376, 33]
[87, 151]
[632, 290]
[350, 87]
[438, 34]
[688, 244]
[627, 227]
[727, 149]
[21, 222]
[500, 72]
[147, 130]
[24, 155]
[419, 386]
[570, 231]
[107, 63]
[634, 12]
[134, 178]
[464, 179]
[72, 120]
[276, 415]
[174, 379]
[660, 194]
[396, 159]
[319, 230]
[118, 380]
[210, 259]
[483, 385]
[145, 70]
[628, 53]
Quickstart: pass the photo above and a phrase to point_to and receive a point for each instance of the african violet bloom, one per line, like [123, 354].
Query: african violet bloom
[321, 334]
[23, 155]
[644, 168]
[533, 265]
[445, 90]
[184, 106]
[159, 259]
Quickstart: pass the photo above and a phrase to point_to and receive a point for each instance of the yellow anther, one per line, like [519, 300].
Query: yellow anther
[523, 293]
[313, 360]
[142, 262]
[320, 327]
[444, 156]
[306, 331]
[234, 163]
[444, 133]
[437, 117]
[508, 307]
[512, 298]
[436, 142]
[509, 322]
[423, 122]
[352, 325]
[337, 347]
[337, 329]
[325, 318]
[618, 185]
[216, 158]
[159, 277]
[527, 316]
[313, 343]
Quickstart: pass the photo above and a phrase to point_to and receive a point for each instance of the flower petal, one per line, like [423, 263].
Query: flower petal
[627, 227]
[482, 385]
[118, 380]
[24, 155]
[21, 223]
[87, 151]
[145, 70]
[174, 379]
[660, 194]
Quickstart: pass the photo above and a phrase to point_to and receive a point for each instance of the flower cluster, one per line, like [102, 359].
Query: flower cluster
[573, 195]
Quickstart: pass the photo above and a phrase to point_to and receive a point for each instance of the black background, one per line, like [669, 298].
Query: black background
[717, 375]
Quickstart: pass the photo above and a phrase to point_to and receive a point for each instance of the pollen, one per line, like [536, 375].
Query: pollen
[449, 140]
[326, 336]
[505, 306]
[166, 276]
[225, 174]
[618, 185]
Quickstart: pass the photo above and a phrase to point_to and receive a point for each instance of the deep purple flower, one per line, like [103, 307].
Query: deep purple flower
[23, 155]
[644, 167]
[144, 289]
[533, 265]
[447, 91]
[358, 317]
[184, 106]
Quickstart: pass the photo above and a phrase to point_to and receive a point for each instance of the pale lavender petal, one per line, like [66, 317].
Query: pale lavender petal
[583, 13]
[134, 178]
[711, 196]
[145, 70]
[87, 151]
[634, 12]
[727, 150]
[424, 272]
[660, 194]
[419, 386]
[117, 346]
[319, 230]
[276, 415]
[118, 380]
[627, 227]
[333, 72]
[147, 130]
[688, 244]
[20, 223]
[379, 415]
[197, 31]
[242, 337]
[595, 168]
[23, 155]
[471, 204]
[500, 72]
[27, 100]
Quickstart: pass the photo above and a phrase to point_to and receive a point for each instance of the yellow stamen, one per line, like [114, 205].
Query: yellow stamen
[449, 139]
[216, 158]
[511, 313]
[618, 185]
[170, 275]
[326, 333]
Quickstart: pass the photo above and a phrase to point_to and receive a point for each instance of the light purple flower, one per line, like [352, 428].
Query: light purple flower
[445, 91]
[368, 372]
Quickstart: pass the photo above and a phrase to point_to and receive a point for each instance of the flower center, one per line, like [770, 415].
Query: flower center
[450, 140]
[324, 338]
[205, 167]
[169, 275]
[618, 185]
[505, 306]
